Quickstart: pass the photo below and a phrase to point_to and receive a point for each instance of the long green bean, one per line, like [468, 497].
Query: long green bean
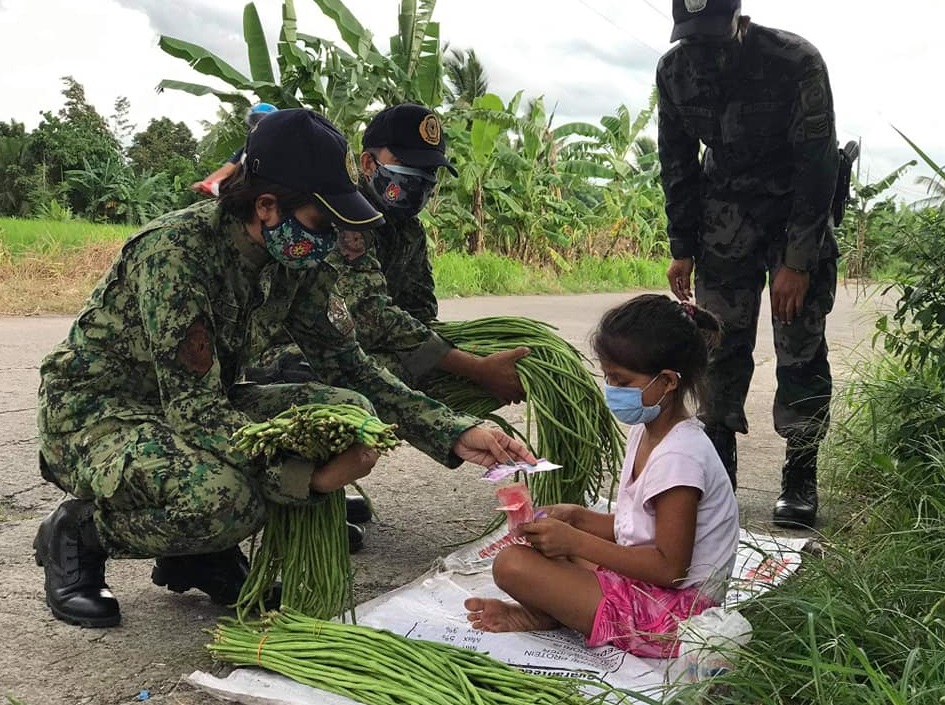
[378, 667]
[307, 545]
[566, 417]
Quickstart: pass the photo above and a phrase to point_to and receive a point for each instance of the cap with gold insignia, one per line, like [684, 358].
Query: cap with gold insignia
[705, 19]
[412, 133]
[301, 150]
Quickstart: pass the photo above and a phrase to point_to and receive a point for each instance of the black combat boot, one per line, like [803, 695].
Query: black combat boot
[797, 506]
[724, 441]
[357, 510]
[355, 538]
[68, 548]
[220, 575]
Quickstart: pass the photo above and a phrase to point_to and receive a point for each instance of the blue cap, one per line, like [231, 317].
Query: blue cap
[258, 112]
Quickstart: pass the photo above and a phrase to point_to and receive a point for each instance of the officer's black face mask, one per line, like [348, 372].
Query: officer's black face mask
[712, 57]
[402, 190]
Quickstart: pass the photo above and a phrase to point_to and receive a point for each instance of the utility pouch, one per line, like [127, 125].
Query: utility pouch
[841, 194]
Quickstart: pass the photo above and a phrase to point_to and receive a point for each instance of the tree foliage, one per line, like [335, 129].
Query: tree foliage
[165, 147]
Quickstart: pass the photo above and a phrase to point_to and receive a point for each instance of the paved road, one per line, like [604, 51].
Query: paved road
[423, 508]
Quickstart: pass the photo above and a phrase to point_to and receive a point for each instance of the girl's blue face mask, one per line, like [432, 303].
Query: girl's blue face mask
[626, 403]
[297, 247]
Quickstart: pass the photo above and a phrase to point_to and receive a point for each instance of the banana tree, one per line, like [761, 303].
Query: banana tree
[867, 216]
[314, 72]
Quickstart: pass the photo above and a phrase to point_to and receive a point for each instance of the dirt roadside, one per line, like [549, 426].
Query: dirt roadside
[423, 507]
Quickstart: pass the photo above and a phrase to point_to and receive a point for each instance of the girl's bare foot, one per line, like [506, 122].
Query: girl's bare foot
[491, 615]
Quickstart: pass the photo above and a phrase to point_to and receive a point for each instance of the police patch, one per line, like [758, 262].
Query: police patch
[352, 167]
[695, 5]
[195, 351]
[814, 94]
[816, 127]
[430, 130]
[338, 315]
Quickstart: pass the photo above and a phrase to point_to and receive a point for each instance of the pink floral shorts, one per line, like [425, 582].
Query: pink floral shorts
[642, 618]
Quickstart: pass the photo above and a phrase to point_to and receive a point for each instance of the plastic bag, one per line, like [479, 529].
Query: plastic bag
[709, 642]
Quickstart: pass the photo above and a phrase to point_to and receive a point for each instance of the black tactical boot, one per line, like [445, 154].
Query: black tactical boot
[357, 510]
[724, 441]
[797, 506]
[355, 538]
[220, 575]
[68, 548]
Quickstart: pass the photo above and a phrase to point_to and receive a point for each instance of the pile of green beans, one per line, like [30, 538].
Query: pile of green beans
[307, 545]
[315, 431]
[564, 405]
[377, 667]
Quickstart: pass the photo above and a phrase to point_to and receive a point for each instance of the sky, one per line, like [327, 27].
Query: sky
[584, 57]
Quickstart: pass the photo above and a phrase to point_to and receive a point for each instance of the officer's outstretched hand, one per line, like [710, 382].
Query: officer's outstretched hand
[488, 446]
[788, 291]
[680, 278]
[343, 469]
[499, 376]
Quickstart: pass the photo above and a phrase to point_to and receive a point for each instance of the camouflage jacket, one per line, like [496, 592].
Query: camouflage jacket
[768, 127]
[190, 299]
[401, 249]
[389, 290]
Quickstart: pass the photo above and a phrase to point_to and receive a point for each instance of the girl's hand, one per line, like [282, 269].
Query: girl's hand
[552, 538]
[568, 513]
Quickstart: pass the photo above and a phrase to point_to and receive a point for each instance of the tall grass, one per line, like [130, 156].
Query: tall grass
[864, 623]
[51, 266]
[490, 274]
[19, 238]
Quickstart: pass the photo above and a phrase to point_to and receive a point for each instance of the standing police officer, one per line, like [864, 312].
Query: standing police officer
[755, 206]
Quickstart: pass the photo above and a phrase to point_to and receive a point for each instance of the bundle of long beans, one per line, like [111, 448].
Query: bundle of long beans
[377, 667]
[573, 426]
[307, 544]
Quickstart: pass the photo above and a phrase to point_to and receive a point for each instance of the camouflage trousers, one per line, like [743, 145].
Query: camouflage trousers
[741, 247]
[156, 494]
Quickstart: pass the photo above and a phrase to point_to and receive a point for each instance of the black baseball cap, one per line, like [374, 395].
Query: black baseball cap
[703, 18]
[301, 150]
[413, 134]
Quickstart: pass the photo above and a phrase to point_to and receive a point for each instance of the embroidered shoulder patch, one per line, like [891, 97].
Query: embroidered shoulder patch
[814, 94]
[816, 127]
[194, 353]
[338, 315]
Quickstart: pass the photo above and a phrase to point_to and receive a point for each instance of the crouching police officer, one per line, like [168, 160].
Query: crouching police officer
[137, 405]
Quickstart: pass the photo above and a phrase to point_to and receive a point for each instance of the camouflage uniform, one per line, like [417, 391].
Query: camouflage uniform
[137, 405]
[387, 283]
[759, 199]
[401, 249]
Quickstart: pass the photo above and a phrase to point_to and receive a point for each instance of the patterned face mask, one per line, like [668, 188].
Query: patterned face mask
[292, 244]
[402, 190]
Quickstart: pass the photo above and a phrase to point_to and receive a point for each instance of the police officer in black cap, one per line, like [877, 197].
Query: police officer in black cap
[390, 288]
[753, 206]
[388, 277]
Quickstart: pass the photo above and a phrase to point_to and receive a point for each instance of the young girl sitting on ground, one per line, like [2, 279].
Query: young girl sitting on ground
[666, 553]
